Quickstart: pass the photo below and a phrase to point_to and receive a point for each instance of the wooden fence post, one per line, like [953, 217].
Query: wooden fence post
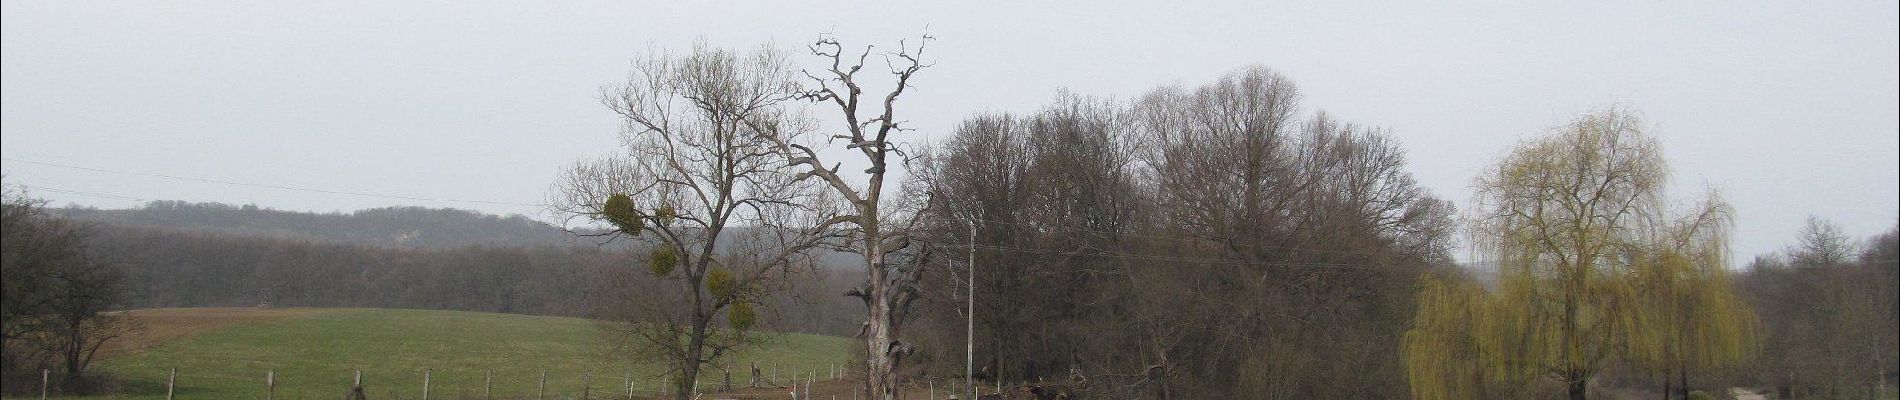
[170, 383]
[356, 387]
[43, 374]
[543, 388]
[425, 383]
[628, 383]
[488, 385]
[270, 385]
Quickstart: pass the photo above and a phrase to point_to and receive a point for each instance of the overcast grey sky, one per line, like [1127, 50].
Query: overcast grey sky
[1788, 107]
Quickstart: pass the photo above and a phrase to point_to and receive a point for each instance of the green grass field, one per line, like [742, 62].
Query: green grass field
[315, 353]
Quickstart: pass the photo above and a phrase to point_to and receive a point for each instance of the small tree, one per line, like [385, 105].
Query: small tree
[1821, 244]
[722, 217]
[55, 296]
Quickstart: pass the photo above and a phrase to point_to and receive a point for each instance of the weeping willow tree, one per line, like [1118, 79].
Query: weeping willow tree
[1571, 223]
[1687, 318]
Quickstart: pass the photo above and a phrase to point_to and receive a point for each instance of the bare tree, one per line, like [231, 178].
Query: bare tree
[1821, 244]
[725, 221]
[881, 235]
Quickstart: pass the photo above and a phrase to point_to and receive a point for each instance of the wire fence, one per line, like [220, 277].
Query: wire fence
[546, 385]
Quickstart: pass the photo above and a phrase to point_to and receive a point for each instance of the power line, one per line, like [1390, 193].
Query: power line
[1187, 240]
[269, 186]
[79, 192]
[1155, 257]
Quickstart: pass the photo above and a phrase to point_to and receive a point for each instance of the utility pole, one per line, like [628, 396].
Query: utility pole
[969, 338]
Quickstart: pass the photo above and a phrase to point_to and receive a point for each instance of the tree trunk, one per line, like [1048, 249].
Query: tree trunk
[1882, 388]
[1683, 388]
[1577, 385]
[997, 343]
[880, 363]
[75, 346]
[1786, 389]
[1167, 391]
[689, 372]
[1666, 387]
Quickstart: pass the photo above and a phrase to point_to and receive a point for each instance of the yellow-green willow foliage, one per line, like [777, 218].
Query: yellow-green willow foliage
[1572, 225]
[1687, 317]
[1448, 350]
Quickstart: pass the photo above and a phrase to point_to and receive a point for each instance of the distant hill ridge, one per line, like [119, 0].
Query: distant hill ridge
[396, 227]
[179, 254]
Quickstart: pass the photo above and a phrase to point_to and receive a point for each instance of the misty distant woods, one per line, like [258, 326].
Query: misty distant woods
[216, 255]
[1203, 241]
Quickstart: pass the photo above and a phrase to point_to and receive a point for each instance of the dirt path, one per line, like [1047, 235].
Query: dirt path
[1745, 394]
[157, 326]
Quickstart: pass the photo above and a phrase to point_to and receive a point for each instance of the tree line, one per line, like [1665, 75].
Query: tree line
[400, 227]
[177, 268]
[1828, 305]
[1212, 241]
[1194, 242]
[1204, 242]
